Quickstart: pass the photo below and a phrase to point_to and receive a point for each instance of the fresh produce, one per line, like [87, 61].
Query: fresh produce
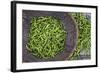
[46, 37]
[84, 38]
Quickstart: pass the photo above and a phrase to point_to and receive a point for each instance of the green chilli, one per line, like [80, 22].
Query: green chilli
[84, 38]
[46, 37]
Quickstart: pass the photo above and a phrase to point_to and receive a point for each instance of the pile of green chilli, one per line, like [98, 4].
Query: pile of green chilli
[46, 37]
[84, 38]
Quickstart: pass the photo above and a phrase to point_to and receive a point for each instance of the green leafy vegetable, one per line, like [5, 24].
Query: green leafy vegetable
[46, 37]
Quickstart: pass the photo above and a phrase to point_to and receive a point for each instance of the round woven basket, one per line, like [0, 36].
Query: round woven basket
[69, 25]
